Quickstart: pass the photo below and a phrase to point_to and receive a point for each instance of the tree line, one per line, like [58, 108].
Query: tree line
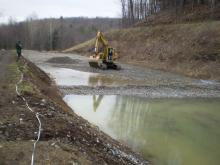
[136, 10]
[53, 34]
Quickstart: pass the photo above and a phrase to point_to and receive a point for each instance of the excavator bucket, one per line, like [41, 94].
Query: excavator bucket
[94, 64]
[97, 64]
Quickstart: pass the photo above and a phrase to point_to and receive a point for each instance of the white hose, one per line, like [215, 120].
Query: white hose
[36, 115]
[38, 138]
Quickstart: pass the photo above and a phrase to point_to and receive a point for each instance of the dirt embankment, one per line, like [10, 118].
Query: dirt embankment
[65, 137]
[188, 14]
[192, 49]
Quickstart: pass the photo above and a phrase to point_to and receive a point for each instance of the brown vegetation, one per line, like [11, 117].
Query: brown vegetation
[192, 49]
[134, 11]
[179, 36]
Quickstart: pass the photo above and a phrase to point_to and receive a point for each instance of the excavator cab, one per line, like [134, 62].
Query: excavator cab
[110, 54]
[104, 56]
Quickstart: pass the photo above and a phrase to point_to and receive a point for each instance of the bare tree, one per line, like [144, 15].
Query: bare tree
[131, 5]
[52, 34]
[135, 10]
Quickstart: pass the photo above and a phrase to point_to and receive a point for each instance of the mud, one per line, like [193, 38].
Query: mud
[65, 137]
[131, 80]
[62, 60]
[75, 80]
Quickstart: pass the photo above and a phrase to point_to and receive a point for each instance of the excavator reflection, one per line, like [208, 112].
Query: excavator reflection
[95, 80]
[97, 101]
[101, 80]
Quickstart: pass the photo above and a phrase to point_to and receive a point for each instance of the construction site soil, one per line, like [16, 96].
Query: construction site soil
[65, 137]
[64, 60]
[190, 49]
[130, 80]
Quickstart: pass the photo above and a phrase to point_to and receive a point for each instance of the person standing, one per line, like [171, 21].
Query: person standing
[18, 49]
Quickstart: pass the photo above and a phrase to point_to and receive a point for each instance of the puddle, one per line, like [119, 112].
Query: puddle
[208, 82]
[70, 77]
[168, 131]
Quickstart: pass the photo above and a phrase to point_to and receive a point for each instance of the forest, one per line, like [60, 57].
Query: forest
[136, 10]
[53, 34]
[62, 33]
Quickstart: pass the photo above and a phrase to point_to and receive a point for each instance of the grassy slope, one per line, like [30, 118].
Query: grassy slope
[192, 49]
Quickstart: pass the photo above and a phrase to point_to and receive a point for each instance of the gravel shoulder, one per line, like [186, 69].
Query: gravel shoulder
[145, 91]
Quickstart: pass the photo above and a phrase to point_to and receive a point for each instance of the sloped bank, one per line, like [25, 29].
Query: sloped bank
[65, 137]
[191, 49]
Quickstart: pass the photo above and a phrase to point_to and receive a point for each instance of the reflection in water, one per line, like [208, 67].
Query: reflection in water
[70, 77]
[169, 132]
[96, 101]
[111, 80]
[101, 80]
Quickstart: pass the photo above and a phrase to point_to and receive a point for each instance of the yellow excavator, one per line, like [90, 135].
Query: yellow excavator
[105, 56]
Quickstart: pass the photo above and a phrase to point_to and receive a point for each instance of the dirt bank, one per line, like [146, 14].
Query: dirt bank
[191, 49]
[65, 137]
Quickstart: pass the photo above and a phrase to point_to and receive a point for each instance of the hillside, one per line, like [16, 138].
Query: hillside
[200, 13]
[192, 49]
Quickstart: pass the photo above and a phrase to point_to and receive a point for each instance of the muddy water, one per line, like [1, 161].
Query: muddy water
[70, 77]
[168, 131]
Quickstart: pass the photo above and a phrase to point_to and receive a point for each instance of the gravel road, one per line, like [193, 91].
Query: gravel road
[131, 80]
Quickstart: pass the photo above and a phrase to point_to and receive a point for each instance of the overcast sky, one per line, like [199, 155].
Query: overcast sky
[21, 9]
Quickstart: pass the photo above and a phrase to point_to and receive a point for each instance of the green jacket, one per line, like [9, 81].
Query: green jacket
[18, 47]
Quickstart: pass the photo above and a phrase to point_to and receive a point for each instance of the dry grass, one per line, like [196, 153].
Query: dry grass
[199, 13]
[192, 49]
[80, 46]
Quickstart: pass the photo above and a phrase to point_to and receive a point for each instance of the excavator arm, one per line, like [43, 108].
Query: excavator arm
[101, 39]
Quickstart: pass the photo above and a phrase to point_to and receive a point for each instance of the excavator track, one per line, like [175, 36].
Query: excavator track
[104, 66]
[94, 64]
